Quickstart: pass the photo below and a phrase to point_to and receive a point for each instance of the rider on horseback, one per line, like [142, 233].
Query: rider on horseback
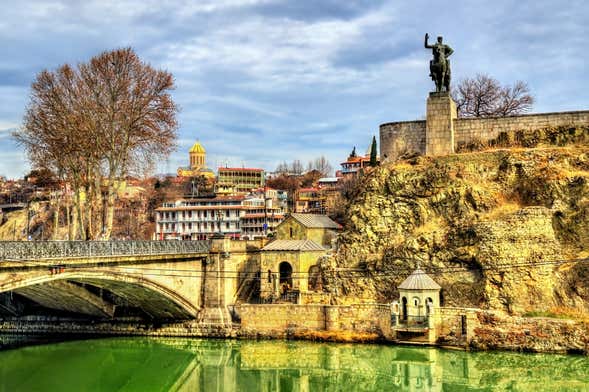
[439, 67]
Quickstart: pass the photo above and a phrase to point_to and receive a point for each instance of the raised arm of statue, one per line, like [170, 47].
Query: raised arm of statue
[425, 42]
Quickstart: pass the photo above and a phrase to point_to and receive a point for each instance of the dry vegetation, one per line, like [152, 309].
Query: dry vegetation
[337, 336]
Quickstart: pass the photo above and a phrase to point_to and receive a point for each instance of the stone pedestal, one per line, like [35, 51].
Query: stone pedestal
[214, 302]
[439, 131]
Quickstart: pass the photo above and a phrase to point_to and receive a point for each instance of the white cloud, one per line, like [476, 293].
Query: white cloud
[262, 81]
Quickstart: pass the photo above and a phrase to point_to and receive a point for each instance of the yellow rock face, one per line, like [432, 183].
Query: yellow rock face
[490, 227]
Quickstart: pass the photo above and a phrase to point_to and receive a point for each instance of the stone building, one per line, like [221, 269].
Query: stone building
[419, 294]
[197, 156]
[288, 269]
[319, 228]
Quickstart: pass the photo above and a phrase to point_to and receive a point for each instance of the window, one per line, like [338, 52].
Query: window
[415, 301]
[227, 225]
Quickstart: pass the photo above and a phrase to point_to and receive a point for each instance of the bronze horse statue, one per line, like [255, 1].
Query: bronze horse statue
[439, 67]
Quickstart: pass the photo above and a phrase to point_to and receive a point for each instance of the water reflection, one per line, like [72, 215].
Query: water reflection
[134, 364]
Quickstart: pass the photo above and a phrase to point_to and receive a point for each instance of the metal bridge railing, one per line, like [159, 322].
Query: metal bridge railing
[36, 250]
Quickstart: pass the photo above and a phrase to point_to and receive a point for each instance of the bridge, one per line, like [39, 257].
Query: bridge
[158, 280]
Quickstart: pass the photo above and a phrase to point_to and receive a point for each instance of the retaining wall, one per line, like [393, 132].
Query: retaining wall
[283, 319]
[471, 129]
[399, 138]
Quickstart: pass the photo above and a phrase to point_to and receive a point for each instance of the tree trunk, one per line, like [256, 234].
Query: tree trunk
[79, 214]
[110, 209]
[56, 216]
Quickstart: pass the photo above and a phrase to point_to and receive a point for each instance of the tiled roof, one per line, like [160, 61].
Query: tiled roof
[315, 221]
[419, 280]
[300, 245]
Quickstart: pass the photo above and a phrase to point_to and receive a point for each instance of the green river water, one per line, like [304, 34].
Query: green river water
[175, 364]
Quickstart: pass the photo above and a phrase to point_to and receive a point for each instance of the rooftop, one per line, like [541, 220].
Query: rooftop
[419, 280]
[316, 221]
[300, 245]
[197, 148]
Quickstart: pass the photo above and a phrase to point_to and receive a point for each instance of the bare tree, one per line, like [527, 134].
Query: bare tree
[296, 167]
[98, 123]
[282, 168]
[322, 165]
[484, 96]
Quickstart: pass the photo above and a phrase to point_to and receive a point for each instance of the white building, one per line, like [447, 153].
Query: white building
[248, 217]
[263, 211]
[199, 219]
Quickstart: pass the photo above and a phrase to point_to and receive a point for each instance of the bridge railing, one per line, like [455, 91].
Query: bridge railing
[36, 250]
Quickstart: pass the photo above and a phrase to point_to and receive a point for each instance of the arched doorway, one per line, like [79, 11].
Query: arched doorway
[285, 270]
[404, 309]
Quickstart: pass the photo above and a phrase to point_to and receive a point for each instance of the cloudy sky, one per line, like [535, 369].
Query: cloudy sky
[262, 81]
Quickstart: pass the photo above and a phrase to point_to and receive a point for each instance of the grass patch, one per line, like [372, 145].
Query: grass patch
[560, 313]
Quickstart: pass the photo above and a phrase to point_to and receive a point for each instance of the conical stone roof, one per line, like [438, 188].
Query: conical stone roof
[419, 280]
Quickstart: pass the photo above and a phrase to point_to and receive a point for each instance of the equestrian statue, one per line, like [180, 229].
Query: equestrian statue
[439, 67]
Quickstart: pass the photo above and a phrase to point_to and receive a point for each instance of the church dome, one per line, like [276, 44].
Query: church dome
[197, 148]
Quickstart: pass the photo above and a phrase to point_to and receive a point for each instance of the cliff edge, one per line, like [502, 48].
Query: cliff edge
[504, 229]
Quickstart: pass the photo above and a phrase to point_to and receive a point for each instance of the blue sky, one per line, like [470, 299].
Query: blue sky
[262, 81]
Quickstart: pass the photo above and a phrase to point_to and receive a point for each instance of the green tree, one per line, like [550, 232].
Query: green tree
[373, 156]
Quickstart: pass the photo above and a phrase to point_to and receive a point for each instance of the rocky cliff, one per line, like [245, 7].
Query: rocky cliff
[497, 229]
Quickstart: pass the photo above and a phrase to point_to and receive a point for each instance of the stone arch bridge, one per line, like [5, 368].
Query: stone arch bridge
[163, 279]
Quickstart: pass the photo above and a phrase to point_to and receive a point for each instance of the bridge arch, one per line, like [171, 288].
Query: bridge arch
[155, 299]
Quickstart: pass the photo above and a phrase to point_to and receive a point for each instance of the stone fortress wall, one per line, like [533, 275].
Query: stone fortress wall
[443, 133]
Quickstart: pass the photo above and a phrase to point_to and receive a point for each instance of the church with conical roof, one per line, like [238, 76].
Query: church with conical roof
[197, 157]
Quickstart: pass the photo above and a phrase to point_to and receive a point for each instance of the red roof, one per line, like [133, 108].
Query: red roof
[356, 160]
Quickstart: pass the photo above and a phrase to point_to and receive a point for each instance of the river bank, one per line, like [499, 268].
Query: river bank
[493, 331]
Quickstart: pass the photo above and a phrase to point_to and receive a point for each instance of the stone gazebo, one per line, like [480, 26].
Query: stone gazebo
[419, 296]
